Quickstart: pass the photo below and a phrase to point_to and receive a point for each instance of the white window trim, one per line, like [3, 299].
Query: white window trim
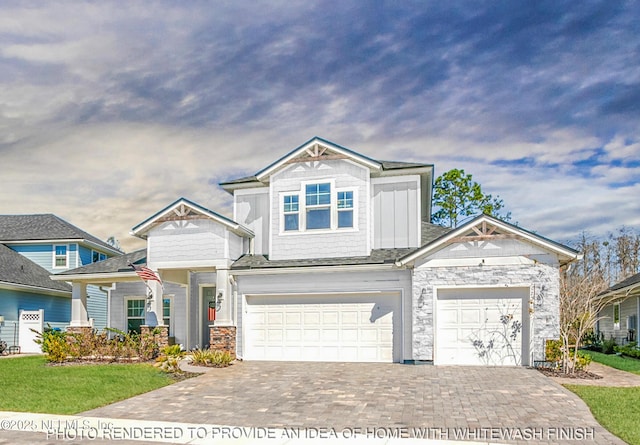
[302, 209]
[126, 311]
[616, 326]
[171, 317]
[66, 266]
[282, 212]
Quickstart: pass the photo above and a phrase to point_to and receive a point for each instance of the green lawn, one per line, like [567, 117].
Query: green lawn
[29, 385]
[616, 409]
[628, 364]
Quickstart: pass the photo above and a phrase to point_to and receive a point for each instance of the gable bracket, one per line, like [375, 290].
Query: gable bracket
[464, 239]
[317, 158]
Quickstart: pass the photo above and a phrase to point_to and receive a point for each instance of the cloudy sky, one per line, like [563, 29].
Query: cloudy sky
[110, 111]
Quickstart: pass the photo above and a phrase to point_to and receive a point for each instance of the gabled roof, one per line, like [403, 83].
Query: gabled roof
[17, 270]
[46, 227]
[182, 209]
[627, 286]
[491, 224]
[318, 148]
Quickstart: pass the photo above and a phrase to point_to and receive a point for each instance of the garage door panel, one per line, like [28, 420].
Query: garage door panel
[479, 331]
[329, 328]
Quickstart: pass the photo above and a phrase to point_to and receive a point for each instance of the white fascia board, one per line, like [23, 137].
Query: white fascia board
[396, 179]
[40, 290]
[314, 269]
[97, 277]
[349, 154]
[624, 292]
[93, 244]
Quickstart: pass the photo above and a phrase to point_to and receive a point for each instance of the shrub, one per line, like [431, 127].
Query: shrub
[630, 350]
[54, 344]
[609, 346]
[208, 357]
[169, 359]
[553, 353]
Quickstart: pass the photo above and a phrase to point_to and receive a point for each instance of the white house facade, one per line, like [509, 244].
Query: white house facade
[329, 256]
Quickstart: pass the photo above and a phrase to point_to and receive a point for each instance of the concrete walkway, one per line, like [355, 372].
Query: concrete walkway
[338, 402]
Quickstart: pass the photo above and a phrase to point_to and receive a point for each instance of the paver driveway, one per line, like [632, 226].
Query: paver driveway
[350, 395]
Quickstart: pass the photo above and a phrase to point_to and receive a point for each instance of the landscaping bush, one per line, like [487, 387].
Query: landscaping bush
[593, 341]
[553, 353]
[208, 357]
[54, 344]
[629, 350]
[62, 346]
[169, 359]
[609, 346]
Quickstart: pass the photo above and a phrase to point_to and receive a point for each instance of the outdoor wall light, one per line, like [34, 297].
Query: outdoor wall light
[1, 319]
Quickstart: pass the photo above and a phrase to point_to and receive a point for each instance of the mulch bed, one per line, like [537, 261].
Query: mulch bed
[585, 375]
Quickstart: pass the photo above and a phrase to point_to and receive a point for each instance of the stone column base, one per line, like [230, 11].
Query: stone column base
[223, 338]
[85, 330]
[160, 334]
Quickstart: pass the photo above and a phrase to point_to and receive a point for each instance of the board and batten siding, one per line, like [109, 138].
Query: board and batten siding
[628, 307]
[396, 212]
[252, 211]
[329, 283]
[320, 243]
[57, 310]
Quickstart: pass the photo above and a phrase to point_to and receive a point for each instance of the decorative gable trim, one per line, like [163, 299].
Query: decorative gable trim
[486, 228]
[317, 149]
[184, 210]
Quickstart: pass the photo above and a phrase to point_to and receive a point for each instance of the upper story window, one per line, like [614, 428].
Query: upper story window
[97, 256]
[345, 209]
[291, 212]
[318, 205]
[321, 207]
[60, 258]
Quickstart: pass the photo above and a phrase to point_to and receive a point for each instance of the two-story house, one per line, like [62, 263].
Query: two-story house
[32, 247]
[330, 256]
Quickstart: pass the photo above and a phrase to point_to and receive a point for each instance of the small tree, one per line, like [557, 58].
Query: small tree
[581, 302]
[458, 196]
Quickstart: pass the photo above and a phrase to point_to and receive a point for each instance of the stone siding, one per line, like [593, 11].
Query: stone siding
[542, 279]
[223, 338]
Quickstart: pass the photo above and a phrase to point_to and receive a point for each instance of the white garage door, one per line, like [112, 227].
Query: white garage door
[482, 327]
[345, 327]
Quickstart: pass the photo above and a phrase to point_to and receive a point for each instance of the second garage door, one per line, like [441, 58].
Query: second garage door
[484, 326]
[356, 327]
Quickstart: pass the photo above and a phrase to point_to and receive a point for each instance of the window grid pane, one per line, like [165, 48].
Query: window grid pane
[318, 194]
[345, 200]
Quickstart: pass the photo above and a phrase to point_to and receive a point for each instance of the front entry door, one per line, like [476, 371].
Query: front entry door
[208, 300]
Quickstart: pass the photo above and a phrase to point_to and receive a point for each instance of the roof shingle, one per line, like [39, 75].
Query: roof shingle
[17, 269]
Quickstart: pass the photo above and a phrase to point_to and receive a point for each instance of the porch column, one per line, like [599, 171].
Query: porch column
[153, 315]
[79, 316]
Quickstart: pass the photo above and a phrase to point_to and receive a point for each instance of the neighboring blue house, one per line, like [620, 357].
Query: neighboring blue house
[32, 247]
[330, 256]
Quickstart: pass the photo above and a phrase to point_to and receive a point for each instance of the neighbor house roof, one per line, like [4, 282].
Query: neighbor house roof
[182, 208]
[45, 227]
[373, 164]
[629, 286]
[114, 264]
[17, 270]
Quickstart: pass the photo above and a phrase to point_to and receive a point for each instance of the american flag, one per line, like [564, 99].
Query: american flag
[145, 273]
